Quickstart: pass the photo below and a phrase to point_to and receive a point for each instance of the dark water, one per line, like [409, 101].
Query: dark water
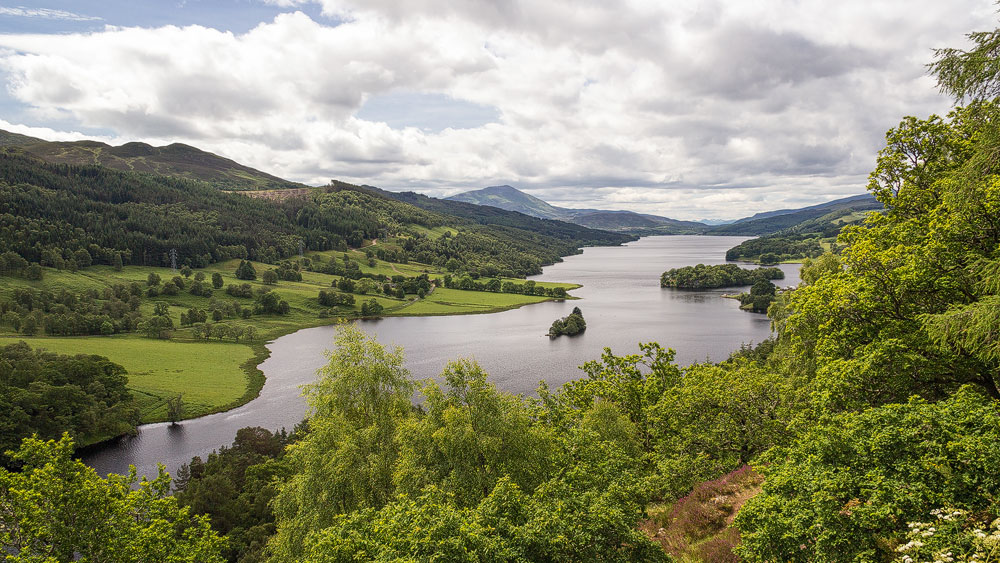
[620, 299]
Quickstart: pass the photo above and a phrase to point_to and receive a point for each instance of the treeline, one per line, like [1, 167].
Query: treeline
[48, 394]
[65, 313]
[720, 275]
[774, 249]
[798, 242]
[496, 285]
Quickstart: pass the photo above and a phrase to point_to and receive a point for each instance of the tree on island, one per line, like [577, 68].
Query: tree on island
[570, 325]
[760, 297]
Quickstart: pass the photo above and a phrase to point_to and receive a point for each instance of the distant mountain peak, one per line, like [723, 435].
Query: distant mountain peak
[512, 199]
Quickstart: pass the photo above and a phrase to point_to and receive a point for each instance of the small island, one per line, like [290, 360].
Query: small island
[759, 299]
[571, 325]
[720, 275]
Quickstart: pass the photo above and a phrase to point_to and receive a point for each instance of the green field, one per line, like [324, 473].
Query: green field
[208, 374]
[457, 302]
[215, 376]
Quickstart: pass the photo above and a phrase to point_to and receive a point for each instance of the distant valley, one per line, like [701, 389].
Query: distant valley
[765, 223]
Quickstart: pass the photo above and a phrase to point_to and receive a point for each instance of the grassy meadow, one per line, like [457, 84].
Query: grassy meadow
[209, 375]
[213, 376]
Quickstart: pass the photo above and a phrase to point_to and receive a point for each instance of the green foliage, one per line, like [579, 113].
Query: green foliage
[175, 408]
[472, 476]
[246, 271]
[846, 488]
[761, 295]
[472, 435]
[813, 269]
[911, 312]
[972, 74]
[371, 308]
[720, 275]
[633, 383]
[717, 418]
[66, 313]
[48, 395]
[270, 303]
[46, 215]
[157, 326]
[776, 248]
[234, 488]
[347, 460]
[57, 509]
[570, 325]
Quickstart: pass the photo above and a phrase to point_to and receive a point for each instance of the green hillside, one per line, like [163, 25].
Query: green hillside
[175, 160]
[774, 221]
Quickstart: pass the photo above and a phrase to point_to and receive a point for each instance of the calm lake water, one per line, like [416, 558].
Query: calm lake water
[621, 300]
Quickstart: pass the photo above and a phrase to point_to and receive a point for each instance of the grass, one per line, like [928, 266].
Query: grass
[210, 375]
[445, 301]
[216, 376]
[435, 233]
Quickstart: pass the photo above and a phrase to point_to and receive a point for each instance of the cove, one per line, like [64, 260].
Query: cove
[621, 300]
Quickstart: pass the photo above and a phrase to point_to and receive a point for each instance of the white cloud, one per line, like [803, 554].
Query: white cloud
[44, 13]
[715, 110]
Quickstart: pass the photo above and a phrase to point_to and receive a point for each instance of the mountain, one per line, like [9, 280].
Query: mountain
[512, 199]
[175, 160]
[495, 216]
[773, 221]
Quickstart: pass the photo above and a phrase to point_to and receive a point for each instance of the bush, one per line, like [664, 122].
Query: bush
[847, 487]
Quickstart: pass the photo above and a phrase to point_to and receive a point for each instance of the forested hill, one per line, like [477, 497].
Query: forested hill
[62, 215]
[175, 160]
[774, 221]
[488, 215]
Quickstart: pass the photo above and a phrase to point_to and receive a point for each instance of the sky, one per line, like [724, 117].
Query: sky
[691, 110]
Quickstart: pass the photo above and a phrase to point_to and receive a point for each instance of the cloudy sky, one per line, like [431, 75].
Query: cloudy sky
[686, 109]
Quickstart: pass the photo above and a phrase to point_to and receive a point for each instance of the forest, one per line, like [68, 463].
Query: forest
[70, 217]
[717, 275]
[866, 429]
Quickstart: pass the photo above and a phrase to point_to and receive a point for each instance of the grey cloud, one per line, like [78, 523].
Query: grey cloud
[209, 95]
[140, 124]
[745, 63]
